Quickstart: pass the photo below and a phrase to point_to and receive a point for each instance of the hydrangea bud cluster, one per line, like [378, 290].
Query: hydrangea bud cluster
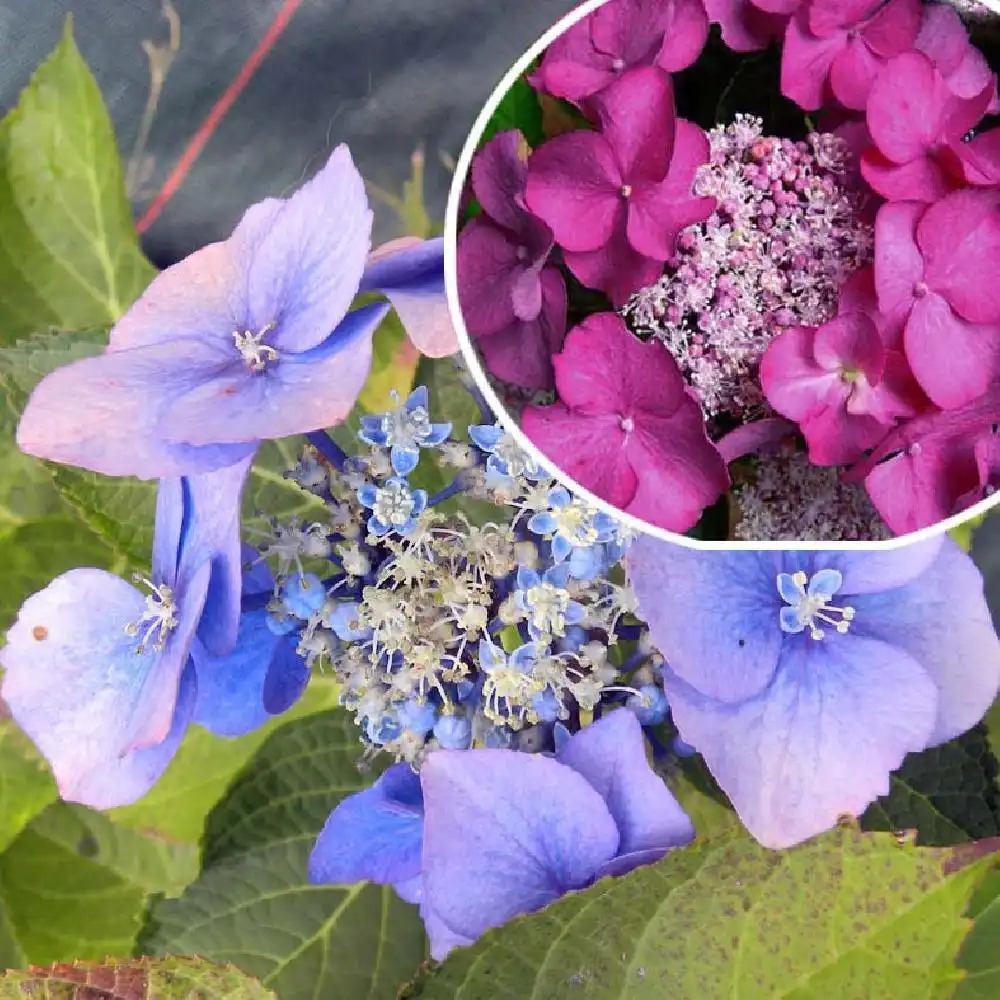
[447, 633]
[788, 499]
[786, 234]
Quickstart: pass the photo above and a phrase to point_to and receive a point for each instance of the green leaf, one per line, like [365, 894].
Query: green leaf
[197, 777]
[69, 255]
[171, 978]
[34, 553]
[26, 787]
[75, 886]
[11, 955]
[519, 109]
[980, 954]
[948, 794]
[848, 915]
[253, 905]
[119, 510]
[26, 488]
[965, 532]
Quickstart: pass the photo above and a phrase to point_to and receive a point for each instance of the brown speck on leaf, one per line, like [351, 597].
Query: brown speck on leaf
[40, 632]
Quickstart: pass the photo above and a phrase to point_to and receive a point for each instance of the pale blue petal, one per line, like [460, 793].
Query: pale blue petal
[790, 591]
[825, 583]
[404, 460]
[542, 523]
[789, 620]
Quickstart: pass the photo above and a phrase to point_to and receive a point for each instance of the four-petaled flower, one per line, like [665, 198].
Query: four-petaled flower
[482, 835]
[546, 602]
[404, 431]
[804, 678]
[395, 506]
[626, 427]
[616, 200]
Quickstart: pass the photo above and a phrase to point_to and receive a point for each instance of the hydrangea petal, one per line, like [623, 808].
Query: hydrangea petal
[230, 688]
[542, 827]
[375, 835]
[487, 266]
[953, 360]
[898, 261]
[76, 685]
[611, 755]
[820, 742]
[498, 178]
[942, 620]
[805, 63]
[959, 238]
[615, 269]
[304, 392]
[124, 394]
[874, 571]
[191, 298]
[303, 258]
[574, 186]
[410, 273]
[714, 615]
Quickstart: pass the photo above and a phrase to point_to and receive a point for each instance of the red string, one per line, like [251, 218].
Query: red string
[218, 112]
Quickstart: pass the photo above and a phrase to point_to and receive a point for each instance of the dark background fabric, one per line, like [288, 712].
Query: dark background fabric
[381, 75]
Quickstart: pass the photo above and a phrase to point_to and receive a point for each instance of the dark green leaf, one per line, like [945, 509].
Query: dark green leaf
[519, 109]
[75, 886]
[69, 256]
[253, 905]
[848, 915]
[948, 794]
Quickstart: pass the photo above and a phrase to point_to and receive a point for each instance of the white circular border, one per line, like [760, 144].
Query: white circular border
[993, 5]
[469, 352]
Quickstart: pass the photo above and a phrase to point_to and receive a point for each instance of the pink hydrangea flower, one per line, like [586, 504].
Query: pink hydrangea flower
[840, 383]
[839, 46]
[944, 39]
[620, 36]
[617, 199]
[513, 301]
[935, 465]
[750, 25]
[914, 117]
[935, 270]
[626, 427]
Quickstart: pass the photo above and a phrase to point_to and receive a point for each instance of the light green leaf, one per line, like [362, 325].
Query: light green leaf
[980, 954]
[118, 510]
[69, 255]
[948, 794]
[26, 787]
[171, 978]
[848, 915]
[205, 765]
[253, 905]
[33, 553]
[26, 488]
[75, 886]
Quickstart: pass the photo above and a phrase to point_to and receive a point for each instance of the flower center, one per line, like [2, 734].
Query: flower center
[548, 606]
[626, 190]
[574, 521]
[406, 428]
[617, 65]
[920, 289]
[256, 354]
[158, 619]
[393, 504]
[808, 603]
[850, 374]
[627, 424]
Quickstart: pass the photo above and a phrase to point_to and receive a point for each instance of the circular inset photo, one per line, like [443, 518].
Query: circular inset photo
[731, 266]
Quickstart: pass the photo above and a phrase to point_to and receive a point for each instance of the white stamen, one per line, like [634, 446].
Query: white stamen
[256, 354]
[158, 619]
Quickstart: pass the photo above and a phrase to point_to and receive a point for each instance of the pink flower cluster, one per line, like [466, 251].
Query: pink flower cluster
[844, 282]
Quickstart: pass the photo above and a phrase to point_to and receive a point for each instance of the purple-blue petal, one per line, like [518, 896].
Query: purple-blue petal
[505, 833]
[375, 835]
[820, 741]
[713, 615]
[611, 755]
